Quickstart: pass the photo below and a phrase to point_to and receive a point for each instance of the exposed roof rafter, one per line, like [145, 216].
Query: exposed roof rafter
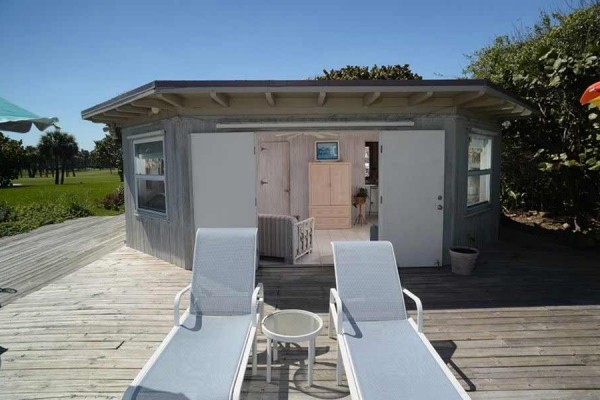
[129, 109]
[153, 103]
[485, 103]
[220, 98]
[113, 115]
[502, 107]
[467, 98]
[321, 99]
[172, 99]
[419, 98]
[371, 98]
[514, 110]
[270, 98]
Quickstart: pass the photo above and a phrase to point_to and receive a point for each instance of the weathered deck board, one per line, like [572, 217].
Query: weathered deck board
[526, 325]
[31, 260]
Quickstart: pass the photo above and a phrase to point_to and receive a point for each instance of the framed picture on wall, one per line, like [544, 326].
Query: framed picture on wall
[327, 150]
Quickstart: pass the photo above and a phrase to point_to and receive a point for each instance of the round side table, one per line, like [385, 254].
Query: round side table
[291, 326]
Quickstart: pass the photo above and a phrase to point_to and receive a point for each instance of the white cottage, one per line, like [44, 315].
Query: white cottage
[223, 153]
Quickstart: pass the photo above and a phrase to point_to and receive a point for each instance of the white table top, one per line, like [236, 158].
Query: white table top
[292, 325]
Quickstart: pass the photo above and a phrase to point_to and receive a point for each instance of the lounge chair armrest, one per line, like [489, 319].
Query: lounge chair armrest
[176, 317]
[258, 300]
[335, 310]
[419, 308]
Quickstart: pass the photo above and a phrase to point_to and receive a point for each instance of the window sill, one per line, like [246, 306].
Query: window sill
[478, 209]
[140, 214]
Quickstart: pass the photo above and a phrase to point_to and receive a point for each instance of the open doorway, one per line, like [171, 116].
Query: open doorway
[372, 181]
[283, 193]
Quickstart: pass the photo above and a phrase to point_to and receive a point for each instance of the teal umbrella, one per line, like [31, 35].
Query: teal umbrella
[16, 119]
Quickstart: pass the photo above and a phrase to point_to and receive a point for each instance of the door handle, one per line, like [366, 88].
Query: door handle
[439, 207]
[287, 190]
[263, 182]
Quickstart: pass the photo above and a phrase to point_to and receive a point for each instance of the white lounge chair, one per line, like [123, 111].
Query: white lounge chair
[384, 353]
[206, 353]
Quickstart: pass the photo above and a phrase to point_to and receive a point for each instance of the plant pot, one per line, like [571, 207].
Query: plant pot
[463, 259]
[360, 200]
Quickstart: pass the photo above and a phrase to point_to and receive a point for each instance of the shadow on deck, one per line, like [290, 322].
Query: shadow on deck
[526, 324]
[509, 274]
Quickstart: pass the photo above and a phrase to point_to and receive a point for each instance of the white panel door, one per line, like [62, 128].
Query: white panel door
[224, 179]
[411, 184]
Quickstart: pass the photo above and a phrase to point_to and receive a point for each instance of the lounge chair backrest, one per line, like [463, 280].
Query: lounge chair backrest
[367, 281]
[224, 270]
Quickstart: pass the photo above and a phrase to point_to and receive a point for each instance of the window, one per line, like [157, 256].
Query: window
[149, 170]
[480, 170]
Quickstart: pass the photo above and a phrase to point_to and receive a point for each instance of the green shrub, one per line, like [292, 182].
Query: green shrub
[5, 211]
[25, 218]
[114, 201]
[76, 210]
[550, 161]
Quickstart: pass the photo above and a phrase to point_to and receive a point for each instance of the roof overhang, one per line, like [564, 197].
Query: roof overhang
[477, 97]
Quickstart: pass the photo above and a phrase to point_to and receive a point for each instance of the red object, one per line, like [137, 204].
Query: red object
[591, 95]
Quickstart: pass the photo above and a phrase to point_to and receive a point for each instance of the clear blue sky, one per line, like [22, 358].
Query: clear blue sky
[60, 57]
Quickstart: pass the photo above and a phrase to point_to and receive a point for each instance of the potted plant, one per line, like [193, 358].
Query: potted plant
[463, 258]
[361, 196]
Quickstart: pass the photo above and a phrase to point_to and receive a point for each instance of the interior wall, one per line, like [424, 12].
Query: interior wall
[302, 151]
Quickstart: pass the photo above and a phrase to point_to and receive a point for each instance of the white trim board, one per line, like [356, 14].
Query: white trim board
[315, 124]
[146, 135]
[484, 132]
[154, 136]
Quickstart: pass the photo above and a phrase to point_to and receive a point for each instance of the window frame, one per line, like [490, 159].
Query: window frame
[480, 172]
[157, 136]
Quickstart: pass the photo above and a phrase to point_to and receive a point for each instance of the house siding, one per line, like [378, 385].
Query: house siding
[172, 239]
[477, 226]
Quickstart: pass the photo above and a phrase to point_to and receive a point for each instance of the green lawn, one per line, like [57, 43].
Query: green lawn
[89, 186]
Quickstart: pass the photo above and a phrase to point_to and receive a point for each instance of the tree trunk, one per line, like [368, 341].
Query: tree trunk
[56, 174]
[121, 175]
[62, 175]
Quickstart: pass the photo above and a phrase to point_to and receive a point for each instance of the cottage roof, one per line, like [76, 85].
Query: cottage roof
[478, 97]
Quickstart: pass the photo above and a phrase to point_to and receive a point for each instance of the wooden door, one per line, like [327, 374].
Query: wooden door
[340, 184]
[320, 182]
[274, 178]
[411, 185]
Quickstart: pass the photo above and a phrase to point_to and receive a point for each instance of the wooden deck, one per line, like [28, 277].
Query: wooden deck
[31, 260]
[526, 325]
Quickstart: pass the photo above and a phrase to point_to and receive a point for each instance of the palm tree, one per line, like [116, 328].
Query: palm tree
[68, 151]
[48, 147]
[59, 148]
[32, 160]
